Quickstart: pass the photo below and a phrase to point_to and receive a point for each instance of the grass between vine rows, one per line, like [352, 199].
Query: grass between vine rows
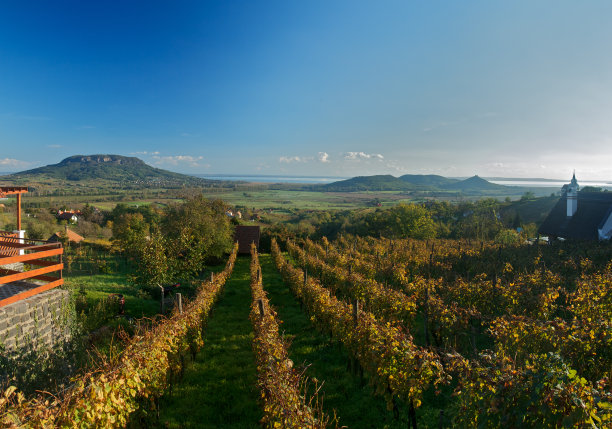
[219, 389]
[351, 398]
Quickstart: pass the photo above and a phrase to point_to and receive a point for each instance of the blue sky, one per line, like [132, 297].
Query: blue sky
[515, 89]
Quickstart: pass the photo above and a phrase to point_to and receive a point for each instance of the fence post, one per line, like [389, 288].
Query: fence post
[426, 321]
[355, 311]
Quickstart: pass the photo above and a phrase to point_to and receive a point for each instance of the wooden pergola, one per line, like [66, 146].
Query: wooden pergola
[5, 191]
[44, 258]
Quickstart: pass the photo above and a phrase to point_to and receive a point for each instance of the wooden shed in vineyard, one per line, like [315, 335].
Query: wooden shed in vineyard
[245, 235]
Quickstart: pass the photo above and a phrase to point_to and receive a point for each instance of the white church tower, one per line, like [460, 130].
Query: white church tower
[572, 196]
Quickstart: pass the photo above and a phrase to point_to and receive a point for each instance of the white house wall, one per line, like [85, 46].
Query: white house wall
[605, 232]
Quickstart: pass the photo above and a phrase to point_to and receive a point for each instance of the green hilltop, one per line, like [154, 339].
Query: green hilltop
[103, 174]
[418, 182]
[105, 168]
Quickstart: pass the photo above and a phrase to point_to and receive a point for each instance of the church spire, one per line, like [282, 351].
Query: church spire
[572, 196]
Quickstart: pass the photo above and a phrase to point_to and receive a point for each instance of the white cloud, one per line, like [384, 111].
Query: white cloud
[192, 161]
[356, 156]
[290, 159]
[11, 162]
[321, 157]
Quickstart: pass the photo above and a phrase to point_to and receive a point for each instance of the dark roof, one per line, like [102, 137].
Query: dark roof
[245, 235]
[593, 209]
[66, 215]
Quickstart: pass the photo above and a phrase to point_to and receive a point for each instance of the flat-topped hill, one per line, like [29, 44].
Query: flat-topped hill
[107, 168]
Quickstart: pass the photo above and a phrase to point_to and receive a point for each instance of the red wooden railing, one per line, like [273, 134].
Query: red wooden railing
[12, 237]
[43, 257]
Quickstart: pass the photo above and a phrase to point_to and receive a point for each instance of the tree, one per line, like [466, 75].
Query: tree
[130, 232]
[528, 196]
[403, 220]
[197, 230]
[155, 266]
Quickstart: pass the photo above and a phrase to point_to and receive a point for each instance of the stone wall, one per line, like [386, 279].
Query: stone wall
[42, 319]
[17, 266]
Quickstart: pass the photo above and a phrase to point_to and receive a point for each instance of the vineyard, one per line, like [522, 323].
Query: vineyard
[506, 337]
[438, 333]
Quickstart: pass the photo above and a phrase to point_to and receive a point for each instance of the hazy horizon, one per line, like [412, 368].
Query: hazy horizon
[347, 88]
[313, 179]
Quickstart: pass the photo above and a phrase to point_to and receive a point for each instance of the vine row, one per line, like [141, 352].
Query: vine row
[110, 396]
[284, 405]
[398, 368]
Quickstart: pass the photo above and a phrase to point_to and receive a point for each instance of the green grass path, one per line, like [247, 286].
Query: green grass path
[354, 402]
[219, 388]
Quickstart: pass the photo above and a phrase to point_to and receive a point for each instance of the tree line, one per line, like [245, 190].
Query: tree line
[173, 243]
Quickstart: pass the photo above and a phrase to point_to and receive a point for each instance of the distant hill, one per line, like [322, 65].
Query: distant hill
[384, 182]
[420, 182]
[430, 180]
[475, 183]
[107, 168]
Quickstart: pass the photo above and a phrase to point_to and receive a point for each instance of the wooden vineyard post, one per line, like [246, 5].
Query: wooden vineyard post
[412, 415]
[212, 277]
[356, 311]
[426, 318]
[162, 308]
[179, 301]
[353, 362]
[305, 276]
[262, 311]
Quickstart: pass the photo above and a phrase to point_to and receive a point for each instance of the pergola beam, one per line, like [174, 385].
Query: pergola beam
[14, 190]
